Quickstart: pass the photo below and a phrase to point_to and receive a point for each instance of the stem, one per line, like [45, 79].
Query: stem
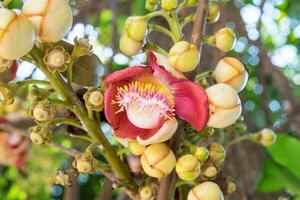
[67, 121]
[250, 137]
[163, 30]
[93, 129]
[187, 20]
[203, 75]
[59, 102]
[70, 72]
[151, 46]
[33, 82]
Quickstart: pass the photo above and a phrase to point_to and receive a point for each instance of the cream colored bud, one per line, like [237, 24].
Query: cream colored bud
[146, 193]
[52, 18]
[184, 56]
[169, 4]
[231, 187]
[210, 171]
[17, 35]
[224, 105]
[135, 148]
[57, 59]
[201, 153]
[217, 153]
[84, 166]
[6, 96]
[129, 46]
[94, 99]
[158, 160]
[188, 168]
[36, 138]
[231, 71]
[267, 137]
[5, 64]
[84, 163]
[81, 48]
[136, 27]
[62, 178]
[225, 39]
[206, 191]
[213, 13]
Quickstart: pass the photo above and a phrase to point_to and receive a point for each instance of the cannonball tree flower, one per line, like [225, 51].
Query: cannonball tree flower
[17, 35]
[141, 102]
[52, 18]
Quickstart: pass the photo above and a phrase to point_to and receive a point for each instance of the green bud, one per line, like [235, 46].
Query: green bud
[213, 13]
[6, 95]
[201, 153]
[151, 5]
[191, 2]
[39, 135]
[94, 99]
[82, 48]
[188, 168]
[169, 4]
[217, 153]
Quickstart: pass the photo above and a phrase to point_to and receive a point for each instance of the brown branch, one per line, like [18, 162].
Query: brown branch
[106, 190]
[167, 183]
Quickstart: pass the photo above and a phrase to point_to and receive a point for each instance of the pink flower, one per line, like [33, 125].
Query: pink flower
[141, 102]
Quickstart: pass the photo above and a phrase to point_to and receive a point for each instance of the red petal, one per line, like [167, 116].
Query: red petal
[191, 103]
[110, 109]
[159, 71]
[126, 74]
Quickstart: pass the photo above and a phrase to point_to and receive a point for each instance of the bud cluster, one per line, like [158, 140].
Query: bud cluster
[39, 134]
[84, 162]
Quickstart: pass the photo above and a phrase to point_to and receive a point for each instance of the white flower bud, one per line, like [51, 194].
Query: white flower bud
[224, 105]
[17, 35]
[52, 18]
[231, 71]
[267, 137]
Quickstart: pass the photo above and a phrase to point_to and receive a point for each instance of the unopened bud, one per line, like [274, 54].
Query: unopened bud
[129, 46]
[135, 148]
[158, 160]
[206, 191]
[184, 56]
[17, 35]
[39, 135]
[5, 64]
[213, 13]
[169, 4]
[191, 2]
[94, 99]
[82, 47]
[188, 168]
[224, 105]
[224, 39]
[267, 137]
[217, 153]
[6, 95]
[146, 193]
[52, 19]
[201, 153]
[231, 71]
[84, 162]
[210, 172]
[231, 187]
[57, 59]
[151, 5]
[43, 112]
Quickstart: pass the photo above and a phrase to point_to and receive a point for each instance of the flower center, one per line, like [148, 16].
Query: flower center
[145, 103]
[96, 98]
[56, 58]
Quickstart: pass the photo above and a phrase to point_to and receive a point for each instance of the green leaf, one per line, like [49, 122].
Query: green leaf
[286, 152]
[276, 177]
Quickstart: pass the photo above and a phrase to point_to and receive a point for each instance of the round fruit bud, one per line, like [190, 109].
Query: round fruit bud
[57, 59]
[267, 137]
[188, 168]
[206, 191]
[5, 64]
[184, 56]
[135, 148]
[169, 4]
[158, 160]
[224, 105]
[17, 35]
[201, 153]
[217, 153]
[43, 112]
[84, 162]
[151, 5]
[52, 18]
[94, 99]
[231, 71]
[210, 172]
[213, 13]
[6, 95]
